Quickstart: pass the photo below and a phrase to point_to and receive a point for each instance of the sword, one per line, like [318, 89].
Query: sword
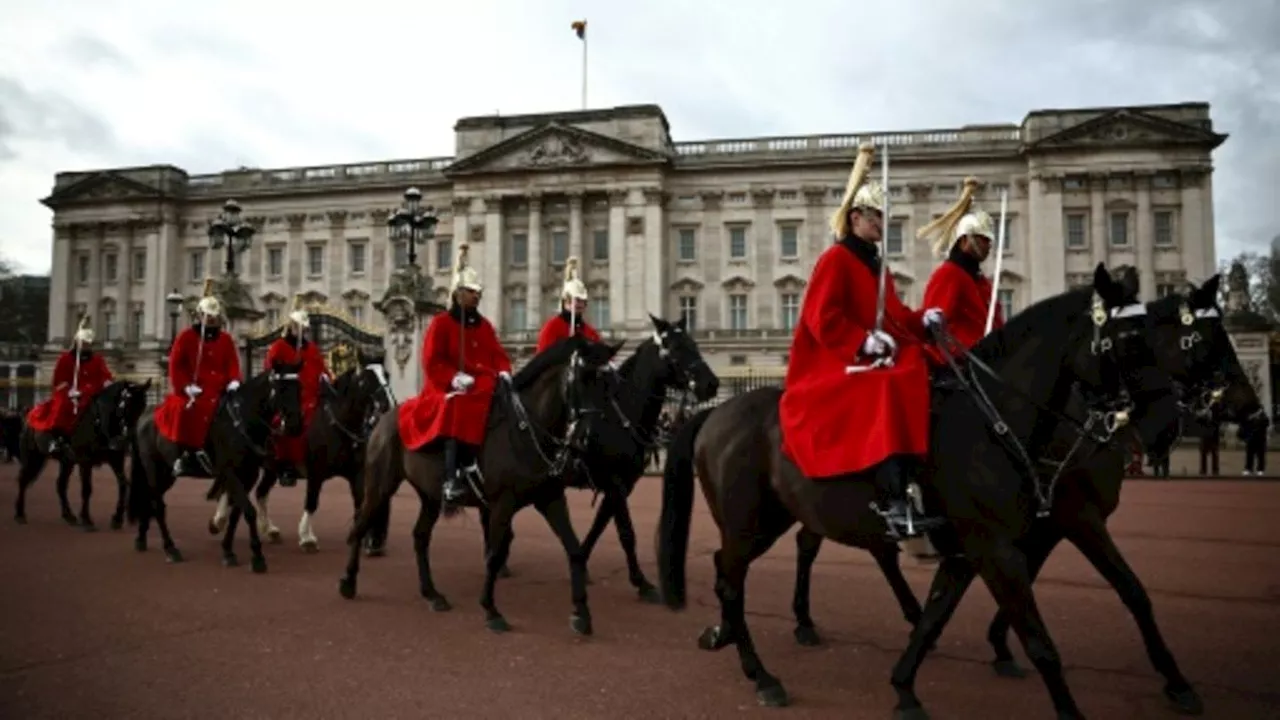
[995, 279]
[884, 227]
[191, 400]
[75, 379]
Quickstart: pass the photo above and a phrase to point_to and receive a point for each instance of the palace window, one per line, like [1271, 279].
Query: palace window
[893, 239]
[1005, 298]
[357, 257]
[738, 242]
[689, 312]
[600, 245]
[110, 267]
[1163, 228]
[315, 260]
[195, 264]
[687, 245]
[789, 305]
[1120, 229]
[444, 254]
[1075, 231]
[738, 311]
[598, 310]
[789, 242]
[139, 265]
[517, 313]
[559, 247]
[519, 250]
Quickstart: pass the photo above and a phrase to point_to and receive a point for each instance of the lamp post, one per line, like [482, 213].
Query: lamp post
[413, 222]
[227, 230]
[174, 300]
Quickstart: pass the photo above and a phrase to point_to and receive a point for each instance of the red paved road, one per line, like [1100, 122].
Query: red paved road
[89, 628]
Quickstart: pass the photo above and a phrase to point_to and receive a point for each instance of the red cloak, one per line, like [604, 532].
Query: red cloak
[219, 364]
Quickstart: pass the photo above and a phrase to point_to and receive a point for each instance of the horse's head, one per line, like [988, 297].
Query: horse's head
[285, 395]
[367, 391]
[119, 407]
[685, 368]
[1194, 348]
[1113, 361]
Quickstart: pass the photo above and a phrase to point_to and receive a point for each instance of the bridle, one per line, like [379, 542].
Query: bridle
[1106, 412]
[234, 403]
[1199, 396]
[381, 402]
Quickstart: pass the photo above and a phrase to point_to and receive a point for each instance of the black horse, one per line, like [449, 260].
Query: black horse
[521, 460]
[625, 432]
[980, 477]
[336, 441]
[101, 435]
[11, 425]
[236, 444]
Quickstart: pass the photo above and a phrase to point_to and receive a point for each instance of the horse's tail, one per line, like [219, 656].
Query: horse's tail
[677, 510]
[381, 477]
[139, 507]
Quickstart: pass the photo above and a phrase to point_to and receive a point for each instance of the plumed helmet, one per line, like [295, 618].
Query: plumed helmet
[299, 316]
[84, 333]
[858, 193]
[465, 276]
[957, 221]
[574, 288]
[209, 305]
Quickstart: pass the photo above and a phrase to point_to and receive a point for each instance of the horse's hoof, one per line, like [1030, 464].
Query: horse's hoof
[347, 588]
[505, 572]
[20, 519]
[713, 638]
[438, 603]
[1185, 700]
[581, 624]
[230, 560]
[916, 713]
[213, 528]
[775, 696]
[88, 526]
[173, 555]
[117, 523]
[497, 624]
[649, 594]
[70, 520]
[309, 546]
[1008, 669]
[258, 565]
[139, 544]
[807, 635]
[375, 551]
[273, 536]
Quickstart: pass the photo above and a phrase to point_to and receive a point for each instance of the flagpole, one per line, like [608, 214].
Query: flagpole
[584, 66]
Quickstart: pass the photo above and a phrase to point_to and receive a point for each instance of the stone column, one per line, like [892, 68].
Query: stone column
[491, 263]
[812, 242]
[617, 257]
[59, 287]
[336, 265]
[381, 257]
[1100, 243]
[94, 303]
[710, 259]
[1197, 248]
[1146, 260]
[575, 227]
[295, 254]
[533, 285]
[655, 276]
[1046, 258]
[764, 234]
[461, 233]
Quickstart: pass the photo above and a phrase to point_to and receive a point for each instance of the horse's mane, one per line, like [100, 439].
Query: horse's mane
[628, 366]
[1055, 311]
[555, 356]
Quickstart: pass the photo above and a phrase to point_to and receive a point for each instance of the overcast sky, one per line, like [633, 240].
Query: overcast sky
[211, 85]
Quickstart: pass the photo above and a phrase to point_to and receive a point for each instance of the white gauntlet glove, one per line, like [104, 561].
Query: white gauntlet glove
[193, 390]
[504, 376]
[233, 386]
[73, 394]
[879, 344]
[933, 319]
[462, 382]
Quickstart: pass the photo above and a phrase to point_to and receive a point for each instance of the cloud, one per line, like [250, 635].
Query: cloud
[119, 82]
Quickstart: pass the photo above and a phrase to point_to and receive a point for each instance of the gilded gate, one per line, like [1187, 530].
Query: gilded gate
[337, 334]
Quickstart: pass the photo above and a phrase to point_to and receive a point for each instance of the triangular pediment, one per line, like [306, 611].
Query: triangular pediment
[790, 281]
[737, 282]
[1127, 129]
[101, 187]
[554, 146]
[687, 284]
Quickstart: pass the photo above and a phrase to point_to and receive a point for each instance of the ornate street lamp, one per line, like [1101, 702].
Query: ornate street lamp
[413, 222]
[227, 230]
[174, 300]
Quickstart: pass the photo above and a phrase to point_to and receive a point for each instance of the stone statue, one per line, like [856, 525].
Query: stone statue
[1238, 299]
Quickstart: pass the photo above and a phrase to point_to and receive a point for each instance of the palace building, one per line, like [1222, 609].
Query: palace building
[723, 231]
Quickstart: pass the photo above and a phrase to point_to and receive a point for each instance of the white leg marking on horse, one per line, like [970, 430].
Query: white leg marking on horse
[265, 526]
[220, 515]
[305, 535]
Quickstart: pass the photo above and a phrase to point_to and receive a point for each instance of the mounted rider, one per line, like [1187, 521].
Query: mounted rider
[78, 376]
[957, 286]
[294, 347]
[856, 397]
[203, 364]
[573, 307]
[462, 363]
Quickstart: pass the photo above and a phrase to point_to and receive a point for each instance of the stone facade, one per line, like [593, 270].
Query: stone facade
[724, 231]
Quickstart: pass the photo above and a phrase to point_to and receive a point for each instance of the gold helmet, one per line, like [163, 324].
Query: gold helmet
[465, 276]
[959, 221]
[209, 305]
[574, 288]
[858, 193]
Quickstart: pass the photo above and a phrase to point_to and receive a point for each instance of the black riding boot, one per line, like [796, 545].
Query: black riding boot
[457, 491]
[900, 515]
[57, 442]
[191, 463]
